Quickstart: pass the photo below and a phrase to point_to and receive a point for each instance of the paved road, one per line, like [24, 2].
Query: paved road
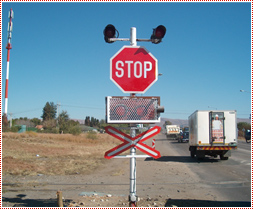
[230, 178]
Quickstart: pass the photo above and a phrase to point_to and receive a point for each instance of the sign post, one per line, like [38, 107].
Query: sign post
[132, 194]
[132, 142]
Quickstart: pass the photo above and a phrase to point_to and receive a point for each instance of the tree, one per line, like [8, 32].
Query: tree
[75, 130]
[91, 121]
[168, 122]
[68, 126]
[49, 111]
[242, 128]
[87, 121]
[49, 126]
[243, 125]
[36, 121]
[63, 117]
[94, 122]
[63, 122]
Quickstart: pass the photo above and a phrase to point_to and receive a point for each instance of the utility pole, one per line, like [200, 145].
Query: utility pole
[10, 120]
[8, 47]
[58, 109]
[57, 112]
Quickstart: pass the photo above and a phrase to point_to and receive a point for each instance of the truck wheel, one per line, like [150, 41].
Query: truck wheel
[200, 155]
[223, 158]
[192, 153]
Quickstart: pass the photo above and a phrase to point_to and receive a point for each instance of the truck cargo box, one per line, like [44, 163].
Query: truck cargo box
[212, 133]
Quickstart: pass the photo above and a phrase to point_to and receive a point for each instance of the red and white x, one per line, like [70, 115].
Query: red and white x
[129, 142]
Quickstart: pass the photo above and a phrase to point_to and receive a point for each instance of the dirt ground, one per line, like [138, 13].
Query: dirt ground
[159, 184]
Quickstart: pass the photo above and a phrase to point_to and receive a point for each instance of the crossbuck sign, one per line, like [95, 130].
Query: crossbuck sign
[129, 142]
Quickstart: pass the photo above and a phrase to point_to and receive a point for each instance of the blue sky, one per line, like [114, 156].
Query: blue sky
[59, 55]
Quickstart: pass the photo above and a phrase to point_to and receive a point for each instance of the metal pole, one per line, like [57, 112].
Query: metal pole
[132, 196]
[133, 36]
[10, 120]
[8, 47]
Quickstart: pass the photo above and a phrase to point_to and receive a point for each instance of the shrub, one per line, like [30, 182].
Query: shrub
[15, 128]
[75, 130]
[91, 135]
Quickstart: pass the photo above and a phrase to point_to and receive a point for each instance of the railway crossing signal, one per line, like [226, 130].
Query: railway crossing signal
[158, 34]
[133, 69]
[109, 32]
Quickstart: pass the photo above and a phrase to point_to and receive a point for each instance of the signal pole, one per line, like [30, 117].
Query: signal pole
[132, 195]
[8, 47]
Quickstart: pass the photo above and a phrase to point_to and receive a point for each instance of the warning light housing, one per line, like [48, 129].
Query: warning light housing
[158, 34]
[109, 32]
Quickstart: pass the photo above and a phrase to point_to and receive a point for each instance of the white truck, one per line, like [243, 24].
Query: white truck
[212, 133]
[172, 131]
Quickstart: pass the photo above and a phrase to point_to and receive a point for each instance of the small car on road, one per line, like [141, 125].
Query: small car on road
[184, 137]
[248, 136]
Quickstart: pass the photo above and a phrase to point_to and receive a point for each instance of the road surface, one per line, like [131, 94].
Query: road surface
[231, 179]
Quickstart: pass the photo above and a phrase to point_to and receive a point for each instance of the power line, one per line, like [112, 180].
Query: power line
[15, 113]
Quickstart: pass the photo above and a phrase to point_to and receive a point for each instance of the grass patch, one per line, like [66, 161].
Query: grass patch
[53, 154]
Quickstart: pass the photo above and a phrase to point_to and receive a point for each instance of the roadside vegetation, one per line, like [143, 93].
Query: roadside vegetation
[242, 127]
[33, 153]
[51, 122]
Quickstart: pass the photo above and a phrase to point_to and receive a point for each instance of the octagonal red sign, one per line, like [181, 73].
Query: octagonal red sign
[133, 69]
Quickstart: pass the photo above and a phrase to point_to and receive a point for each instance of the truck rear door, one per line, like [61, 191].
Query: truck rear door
[216, 124]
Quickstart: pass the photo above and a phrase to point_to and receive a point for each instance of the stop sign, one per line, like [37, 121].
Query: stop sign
[133, 69]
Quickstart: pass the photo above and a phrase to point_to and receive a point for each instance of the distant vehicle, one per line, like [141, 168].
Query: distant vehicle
[186, 129]
[212, 133]
[184, 137]
[173, 132]
[248, 136]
